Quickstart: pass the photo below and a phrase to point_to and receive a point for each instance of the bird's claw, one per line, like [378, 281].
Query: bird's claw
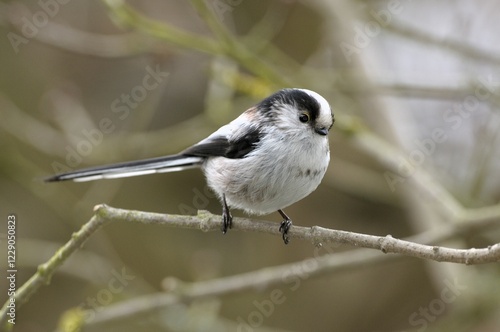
[227, 220]
[284, 228]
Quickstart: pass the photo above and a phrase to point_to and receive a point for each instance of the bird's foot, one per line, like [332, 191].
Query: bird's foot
[285, 226]
[227, 218]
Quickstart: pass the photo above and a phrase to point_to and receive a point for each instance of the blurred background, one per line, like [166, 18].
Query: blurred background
[415, 151]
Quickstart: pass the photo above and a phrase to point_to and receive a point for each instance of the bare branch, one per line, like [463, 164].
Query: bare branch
[266, 278]
[206, 221]
[459, 47]
[45, 271]
[185, 292]
[67, 38]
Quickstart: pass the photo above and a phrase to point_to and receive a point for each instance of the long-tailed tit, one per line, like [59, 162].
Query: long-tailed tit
[271, 156]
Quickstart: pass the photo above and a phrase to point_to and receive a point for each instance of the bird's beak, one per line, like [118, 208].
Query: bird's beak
[322, 131]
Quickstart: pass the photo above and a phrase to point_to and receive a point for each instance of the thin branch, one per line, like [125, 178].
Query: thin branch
[313, 267]
[227, 45]
[78, 41]
[46, 139]
[458, 46]
[206, 221]
[234, 48]
[45, 271]
[394, 160]
[126, 15]
[185, 292]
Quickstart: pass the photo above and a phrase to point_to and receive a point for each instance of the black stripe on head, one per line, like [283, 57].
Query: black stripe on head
[294, 97]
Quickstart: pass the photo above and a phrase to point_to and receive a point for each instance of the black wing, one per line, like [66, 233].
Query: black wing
[220, 146]
[217, 146]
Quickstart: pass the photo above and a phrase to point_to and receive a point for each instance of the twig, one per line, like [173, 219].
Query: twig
[78, 41]
[458, 46]
[126, 15]
[206, 221]
[393, 159]
[226, 45]
[183, 292]
[45, 271]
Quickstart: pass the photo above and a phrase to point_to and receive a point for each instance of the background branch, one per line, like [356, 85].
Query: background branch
[206, 221]
[317, 266]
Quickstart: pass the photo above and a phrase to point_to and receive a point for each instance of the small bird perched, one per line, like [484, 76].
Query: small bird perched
[271, 156]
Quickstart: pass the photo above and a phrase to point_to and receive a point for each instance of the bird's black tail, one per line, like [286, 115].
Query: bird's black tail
[132, 168]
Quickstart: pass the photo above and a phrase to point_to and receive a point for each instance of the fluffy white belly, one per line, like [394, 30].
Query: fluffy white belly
[259, 185]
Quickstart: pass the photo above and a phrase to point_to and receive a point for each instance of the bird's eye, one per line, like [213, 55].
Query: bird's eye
[304, 117]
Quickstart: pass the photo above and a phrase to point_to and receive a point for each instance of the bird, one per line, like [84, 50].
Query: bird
[268, 158]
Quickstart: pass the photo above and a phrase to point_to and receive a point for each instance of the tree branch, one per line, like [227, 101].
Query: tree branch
[313, 267]
[460, 47]
[185, 292]
[206, 221]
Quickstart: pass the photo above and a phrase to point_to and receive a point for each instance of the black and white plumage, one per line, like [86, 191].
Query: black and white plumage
[271, 156]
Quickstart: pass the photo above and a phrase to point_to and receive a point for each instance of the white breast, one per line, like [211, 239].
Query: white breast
[271, 177]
